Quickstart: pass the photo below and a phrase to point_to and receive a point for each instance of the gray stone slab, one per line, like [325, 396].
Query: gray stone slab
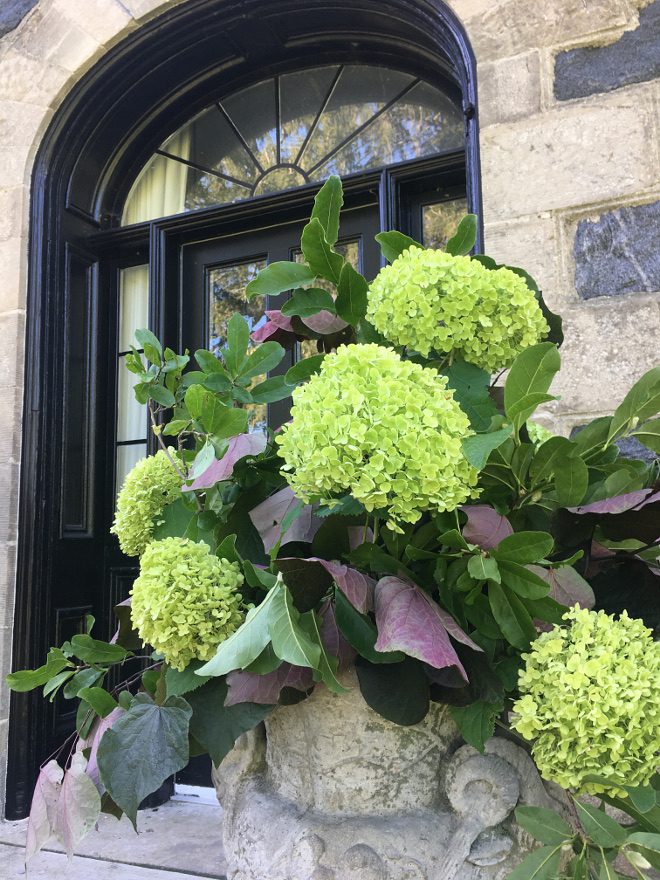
[619, 253]
[633, 58]
[12, 13]
[179, 837]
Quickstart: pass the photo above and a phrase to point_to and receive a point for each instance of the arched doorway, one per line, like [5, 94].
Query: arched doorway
[107, 130]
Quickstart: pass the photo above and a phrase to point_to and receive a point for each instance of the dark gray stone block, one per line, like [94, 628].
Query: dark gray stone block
[635, 57]
[619, 253]
[12, 13]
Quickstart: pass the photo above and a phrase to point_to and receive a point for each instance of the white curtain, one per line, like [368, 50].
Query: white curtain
[160, 190]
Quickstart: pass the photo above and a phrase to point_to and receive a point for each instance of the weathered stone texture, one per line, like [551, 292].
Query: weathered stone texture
[567, 157]
[634, 57]
[141, 10]
[14, 207]
[55, 38]
[608, 345]
[509, 89]
[13, 272]
[12, 13]
[101, 19]
[619, 253]
[12, 329]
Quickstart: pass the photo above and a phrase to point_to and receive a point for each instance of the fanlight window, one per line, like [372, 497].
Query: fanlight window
[291, 130]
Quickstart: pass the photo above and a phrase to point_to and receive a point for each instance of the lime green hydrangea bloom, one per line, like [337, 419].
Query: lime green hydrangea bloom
[185, 601]
[591, 701]
[148, 489]
[430, 300]
[387, 430]
[538, 434]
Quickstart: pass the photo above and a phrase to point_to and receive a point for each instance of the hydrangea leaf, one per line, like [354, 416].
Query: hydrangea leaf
[397, 691]
[180, 682]
[245, 645]
[463, 240]
[145, 746]
[327, 207]
[470, 387]
[78, 806]
[476, 723]
[305, 368]
[485, 526]
[409, 620]
[249, 687]
[173, 521]
[320, 255]
[217, 726]
[544, 825]
[43, 808]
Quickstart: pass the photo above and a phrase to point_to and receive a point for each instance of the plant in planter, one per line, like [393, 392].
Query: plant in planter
[370, 579]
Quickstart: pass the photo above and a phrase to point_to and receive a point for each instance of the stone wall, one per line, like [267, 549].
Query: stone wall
[569, 95]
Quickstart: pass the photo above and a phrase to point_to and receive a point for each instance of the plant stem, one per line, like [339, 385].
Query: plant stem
[163, 444]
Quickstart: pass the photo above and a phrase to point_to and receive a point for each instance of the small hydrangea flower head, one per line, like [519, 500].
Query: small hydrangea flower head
[185, 601]
[148, 489]
[590, 701]
[387, 430]
[429, 301]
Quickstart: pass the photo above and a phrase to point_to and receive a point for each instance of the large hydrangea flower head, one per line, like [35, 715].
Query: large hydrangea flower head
[185, 601]
[387, 430]
[430, 300]
[148, 489]
[591, 701]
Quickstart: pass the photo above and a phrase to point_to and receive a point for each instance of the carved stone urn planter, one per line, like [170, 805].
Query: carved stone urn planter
[328, 790]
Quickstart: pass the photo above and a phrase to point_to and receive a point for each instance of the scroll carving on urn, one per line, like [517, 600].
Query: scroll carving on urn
[329, 790]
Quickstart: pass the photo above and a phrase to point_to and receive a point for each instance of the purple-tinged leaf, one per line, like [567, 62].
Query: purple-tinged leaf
[485, 526]
[357, 537]
[620, 503]
[409, 620]
[221, 469]
[268, 518]
[453, 628]
[278, 328]
[250, 687]
[357, 587]
[333, 640]
[325, 323]
[99, 727]
[566, 586]
[44, 808]
[78, 807]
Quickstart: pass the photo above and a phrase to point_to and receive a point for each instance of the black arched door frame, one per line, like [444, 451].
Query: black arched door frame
[106, 128]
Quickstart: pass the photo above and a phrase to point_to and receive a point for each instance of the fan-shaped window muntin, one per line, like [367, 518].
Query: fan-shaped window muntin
[295, 129]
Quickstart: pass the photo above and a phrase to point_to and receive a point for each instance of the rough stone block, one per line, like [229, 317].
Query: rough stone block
[101, 19]
[28, 80]
[619, 253]
[141, 9]
[531, 244]
[509, 89]
[570, 156]
[609, 345]
[13, 272]
[513, 26]
[20, 126]
[12, 13]
[51, 36]
[14, 207]
[634, 57]
[12, 330]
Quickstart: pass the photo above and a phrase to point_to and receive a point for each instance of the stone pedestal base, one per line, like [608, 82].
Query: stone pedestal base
[329, 790]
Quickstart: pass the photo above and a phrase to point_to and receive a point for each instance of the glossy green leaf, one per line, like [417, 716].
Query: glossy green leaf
[511, 616]
[321, 257]
[91, 650]
[263, 359]
[571, 480]
[216, 726]
[525, 406]
[649, 435]
[279, 277]
[194, 400]
[470, 387]
[305, 368]
[601, 828]
[266, 662]
[641, 403]
[180, 682]
[289, 631]
[327, 207]
[351, 300]
[142, 748]
[546, 455]
[393, 244]
[532, 372]
[86, 678]
[524, 547]
[544, 825]
[466, 235]
[483, 568]
[210, 363]
[593, 436]
[271, 390]
[99, 699]
[541, 864]
[308, 302]
[522, 581]
[173, 521]
[476, 723]
[146, 339]
[327, 666]
[646, 844]
[642, 797]
[478, 447]
[238, 339]
[28, 679]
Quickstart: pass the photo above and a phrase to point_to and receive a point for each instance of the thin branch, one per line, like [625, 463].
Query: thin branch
[162, 443]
